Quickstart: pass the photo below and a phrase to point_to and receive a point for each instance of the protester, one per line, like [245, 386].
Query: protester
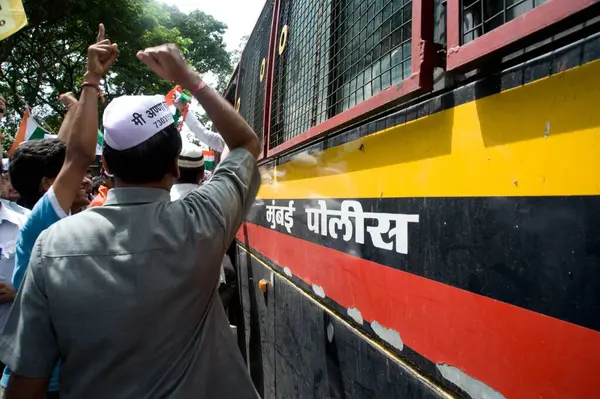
[191, 171]
[126, 296]
[191, 175]
[36, 164]
[211, 139]
[61, 168]
[12, 218]
[96, 184]
[107, 182]
[8, 191]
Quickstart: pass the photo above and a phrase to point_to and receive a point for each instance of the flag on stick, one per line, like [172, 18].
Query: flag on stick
[209, 159]
[29, 129]
[177, 94]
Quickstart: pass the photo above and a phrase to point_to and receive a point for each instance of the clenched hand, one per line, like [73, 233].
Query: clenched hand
[168, 63]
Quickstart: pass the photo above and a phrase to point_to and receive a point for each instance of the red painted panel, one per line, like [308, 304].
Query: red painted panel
[520, 353]
[522, 26]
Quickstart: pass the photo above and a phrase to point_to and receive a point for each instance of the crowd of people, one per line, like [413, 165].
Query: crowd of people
[110, 285]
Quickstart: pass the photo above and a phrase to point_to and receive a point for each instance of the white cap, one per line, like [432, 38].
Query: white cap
[191, 156]
[130, 120]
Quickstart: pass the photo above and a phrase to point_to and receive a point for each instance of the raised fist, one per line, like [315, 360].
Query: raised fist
[167, 62]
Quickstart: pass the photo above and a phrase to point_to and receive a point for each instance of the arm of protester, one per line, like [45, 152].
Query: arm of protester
[211, 139]
[235, 183]
[168, 63]
[44, 214]
[28, 343]
[70, 102]
[81, 146]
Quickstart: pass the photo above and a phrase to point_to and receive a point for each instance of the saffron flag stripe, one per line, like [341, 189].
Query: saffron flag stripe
[517, 352]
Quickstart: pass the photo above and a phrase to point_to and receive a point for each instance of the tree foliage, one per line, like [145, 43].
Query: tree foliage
[48, 56]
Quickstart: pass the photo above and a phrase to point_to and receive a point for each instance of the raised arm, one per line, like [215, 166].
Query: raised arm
[82, 137]
[211, 139]
[168, 63]
[66, 128]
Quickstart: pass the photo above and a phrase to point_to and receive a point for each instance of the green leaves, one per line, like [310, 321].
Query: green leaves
[48, 56]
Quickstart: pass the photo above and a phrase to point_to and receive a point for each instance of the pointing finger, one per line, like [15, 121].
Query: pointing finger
[100, 36]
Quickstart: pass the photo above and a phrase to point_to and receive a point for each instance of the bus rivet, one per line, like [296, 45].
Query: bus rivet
[262, 285]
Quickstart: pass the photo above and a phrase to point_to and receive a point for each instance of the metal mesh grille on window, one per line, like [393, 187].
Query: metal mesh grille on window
[339, 53]
[251, 90]
[372, 49]
[479, 17]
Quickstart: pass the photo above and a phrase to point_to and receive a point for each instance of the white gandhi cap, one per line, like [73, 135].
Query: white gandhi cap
[191, 156]
[130, 120]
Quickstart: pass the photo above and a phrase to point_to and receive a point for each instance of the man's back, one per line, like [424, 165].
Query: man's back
[145, 302]
[128, 293]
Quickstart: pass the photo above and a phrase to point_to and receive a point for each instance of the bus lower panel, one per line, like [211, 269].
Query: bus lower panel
[296, 349]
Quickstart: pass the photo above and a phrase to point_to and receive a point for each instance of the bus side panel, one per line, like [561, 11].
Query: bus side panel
[462, 234]
[311, 352]
[259, 324]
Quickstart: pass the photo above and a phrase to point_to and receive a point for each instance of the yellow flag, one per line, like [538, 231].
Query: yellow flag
[12, 17]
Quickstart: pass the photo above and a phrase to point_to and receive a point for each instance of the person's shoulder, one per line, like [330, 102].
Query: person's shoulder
[69, 235]
[13, 206]
[45, 212]
[15, 213]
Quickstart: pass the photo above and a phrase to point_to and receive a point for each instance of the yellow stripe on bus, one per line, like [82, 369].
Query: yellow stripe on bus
[540, 139]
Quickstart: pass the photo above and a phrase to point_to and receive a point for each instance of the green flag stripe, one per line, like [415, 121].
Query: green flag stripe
[37, 134]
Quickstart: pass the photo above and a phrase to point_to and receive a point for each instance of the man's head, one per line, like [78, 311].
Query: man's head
[8, 191]
[191, 164]
[34, 167]
[141, 142]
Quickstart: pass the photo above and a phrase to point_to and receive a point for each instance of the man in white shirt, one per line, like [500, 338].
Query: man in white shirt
[191, 171]
[211, 139]
[12, 218]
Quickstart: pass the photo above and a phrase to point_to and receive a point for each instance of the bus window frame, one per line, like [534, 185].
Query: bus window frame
[461, 56]
[268, 77]
[420, 80]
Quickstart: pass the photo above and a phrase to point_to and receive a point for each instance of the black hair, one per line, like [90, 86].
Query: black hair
[96, 183]
[191, 175]
[147, 162]
[32, 161]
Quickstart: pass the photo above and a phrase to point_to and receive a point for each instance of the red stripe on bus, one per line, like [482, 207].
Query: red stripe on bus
[517, 352]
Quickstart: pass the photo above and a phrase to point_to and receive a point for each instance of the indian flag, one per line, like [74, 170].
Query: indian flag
[170, 98]
[28, 130]
[209, 159]
[99, 143]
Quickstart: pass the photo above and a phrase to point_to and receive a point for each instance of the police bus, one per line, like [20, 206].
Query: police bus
[428, 224]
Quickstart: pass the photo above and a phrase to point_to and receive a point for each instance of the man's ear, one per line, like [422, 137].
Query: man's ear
[45, 184]
[105, 166]
[175, 169]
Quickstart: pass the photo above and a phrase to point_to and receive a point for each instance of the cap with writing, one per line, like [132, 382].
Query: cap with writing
[130, 120]
[190, 157]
